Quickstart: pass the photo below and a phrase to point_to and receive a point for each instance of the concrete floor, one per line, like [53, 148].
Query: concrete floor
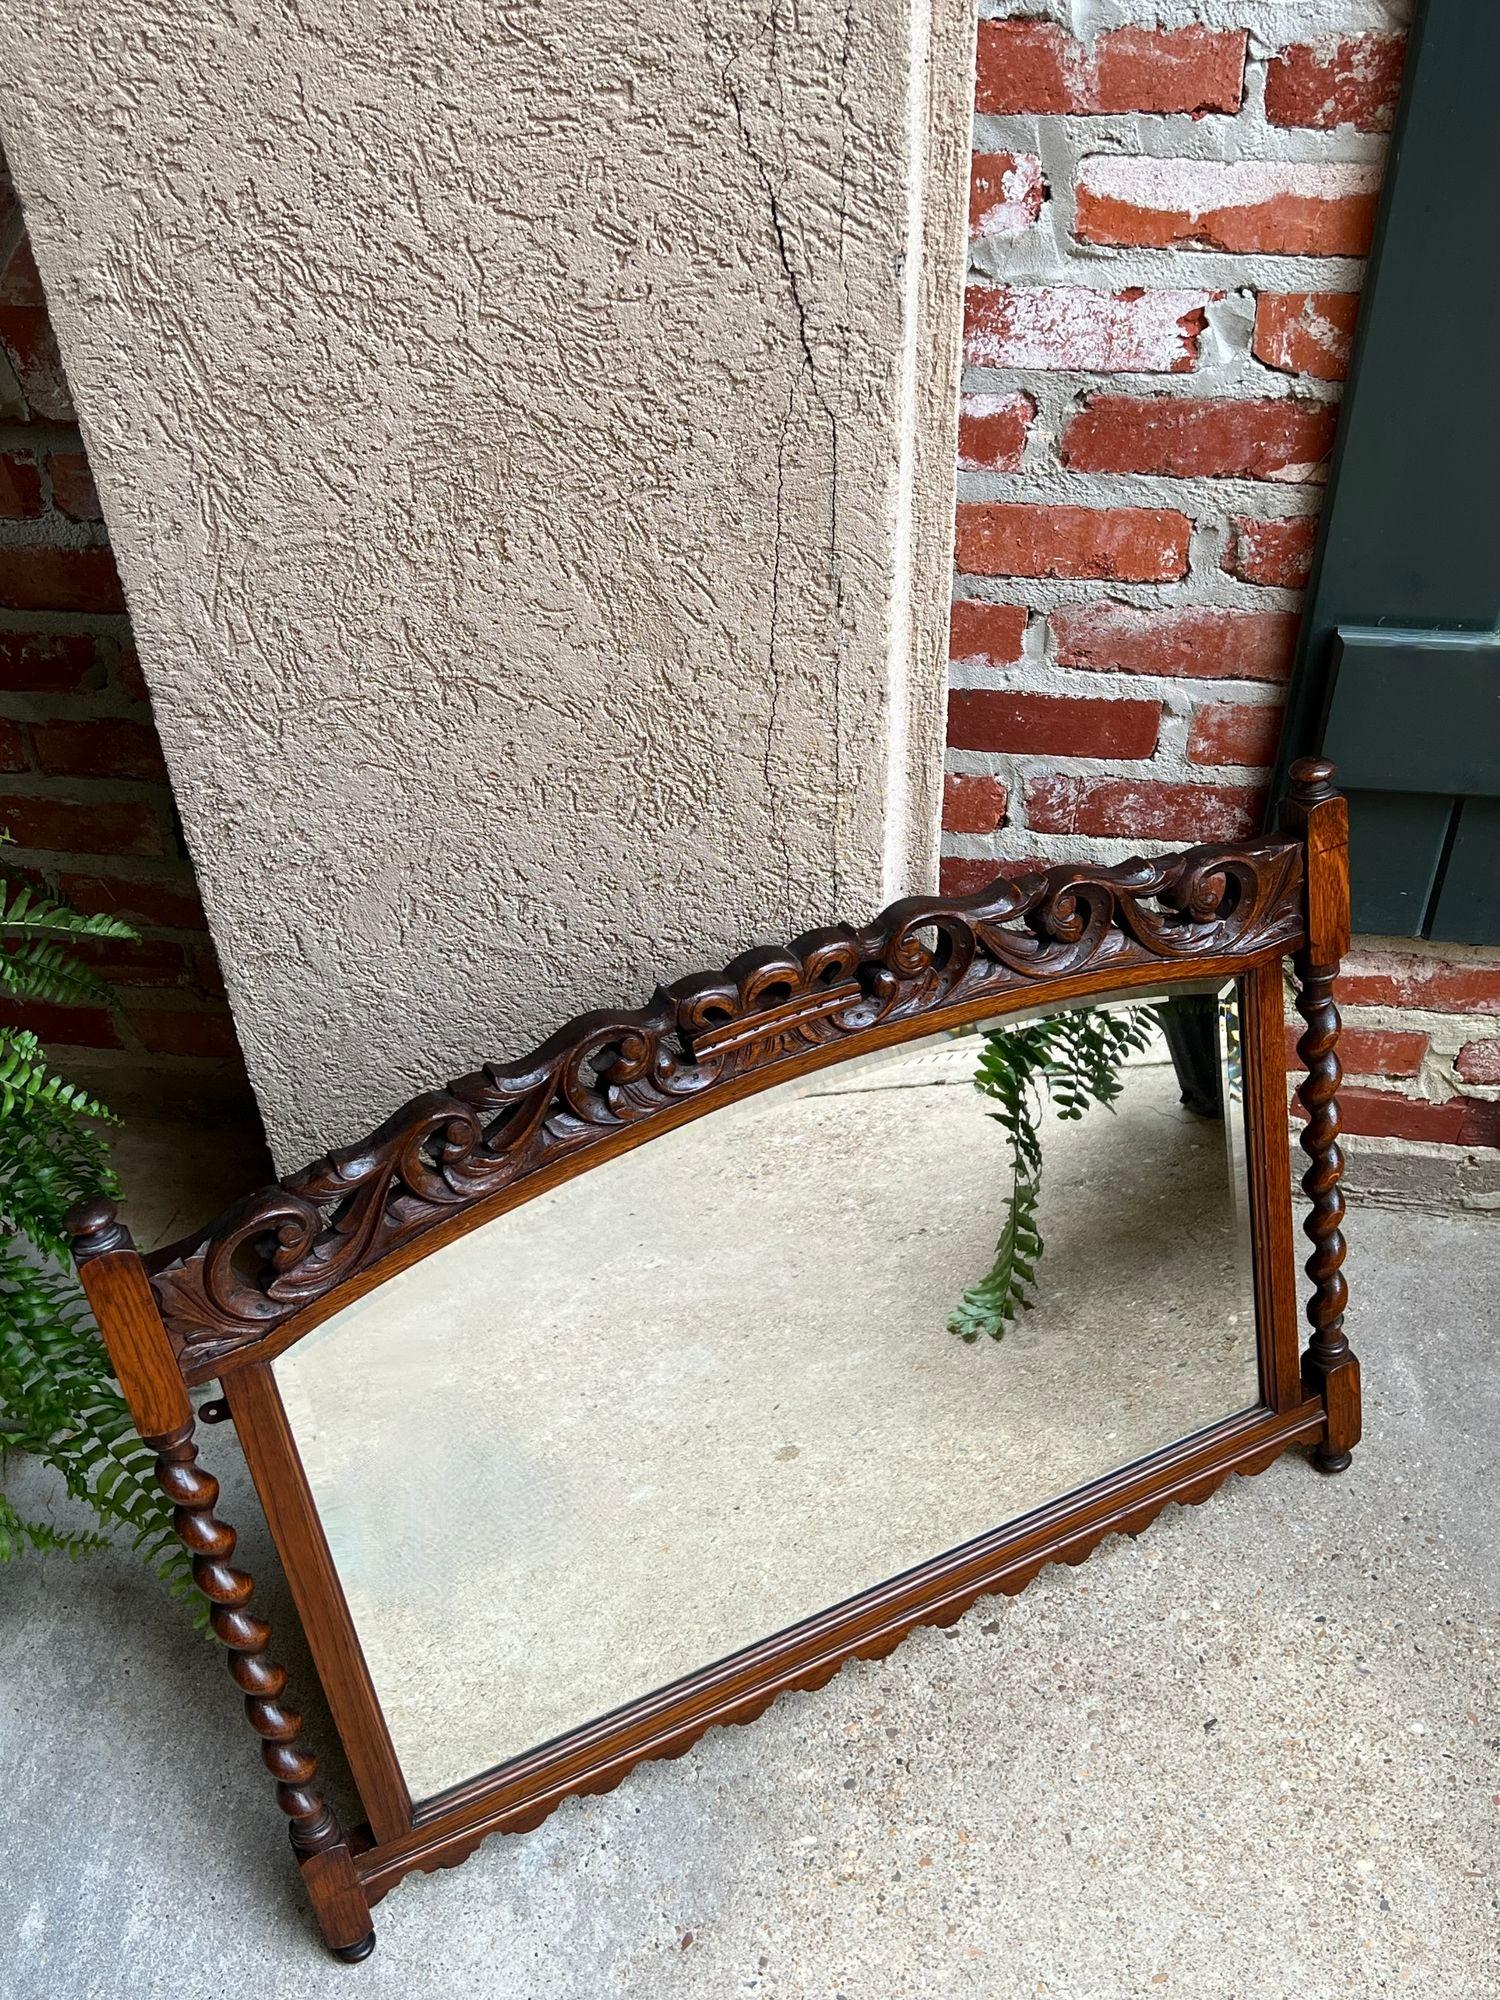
[706, 1389]
[1252, 1754]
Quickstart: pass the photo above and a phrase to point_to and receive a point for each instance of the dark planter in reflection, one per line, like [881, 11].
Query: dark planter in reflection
[1190, 1026]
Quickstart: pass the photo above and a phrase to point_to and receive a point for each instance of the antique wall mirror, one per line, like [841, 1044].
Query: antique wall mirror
[602, 1395]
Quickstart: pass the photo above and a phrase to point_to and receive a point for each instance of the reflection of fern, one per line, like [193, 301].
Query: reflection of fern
[1072, 1059]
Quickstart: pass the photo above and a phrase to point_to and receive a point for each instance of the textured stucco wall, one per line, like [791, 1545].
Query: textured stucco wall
[525, 435]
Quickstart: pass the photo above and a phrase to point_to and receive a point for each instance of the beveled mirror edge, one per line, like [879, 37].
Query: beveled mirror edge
[1315, 1400]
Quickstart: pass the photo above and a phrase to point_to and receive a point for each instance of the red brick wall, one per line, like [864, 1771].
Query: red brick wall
[83, 789]
[1167, 233]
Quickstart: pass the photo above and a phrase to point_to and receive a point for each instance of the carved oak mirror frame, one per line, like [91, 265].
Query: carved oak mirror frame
[222, 1305]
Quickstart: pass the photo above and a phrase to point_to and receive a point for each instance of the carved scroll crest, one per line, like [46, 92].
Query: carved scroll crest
[288, 1245]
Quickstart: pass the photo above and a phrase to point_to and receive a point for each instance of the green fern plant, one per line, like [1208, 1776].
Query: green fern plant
[1071, 1060]
[58, 1399]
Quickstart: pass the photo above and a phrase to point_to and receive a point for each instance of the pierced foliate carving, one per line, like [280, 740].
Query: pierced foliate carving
[286, 1246]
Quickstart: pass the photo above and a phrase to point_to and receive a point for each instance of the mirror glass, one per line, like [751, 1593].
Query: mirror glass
[750, 1369]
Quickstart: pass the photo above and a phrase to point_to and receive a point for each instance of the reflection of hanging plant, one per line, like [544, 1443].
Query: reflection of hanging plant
[1072, 1060]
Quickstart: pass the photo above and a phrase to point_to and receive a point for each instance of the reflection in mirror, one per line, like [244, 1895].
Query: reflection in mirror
[711, 1386]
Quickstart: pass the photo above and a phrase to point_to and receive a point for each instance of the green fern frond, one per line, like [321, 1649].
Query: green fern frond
[63, 1407]
[51, 1152]
[28, 1085]
[17, 1535]
[1072, 1060]
[1009, 1286]
[30, 912]
[58, 1399]
[37, 970]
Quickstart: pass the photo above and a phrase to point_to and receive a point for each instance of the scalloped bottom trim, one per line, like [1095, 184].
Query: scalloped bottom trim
[430, 1846]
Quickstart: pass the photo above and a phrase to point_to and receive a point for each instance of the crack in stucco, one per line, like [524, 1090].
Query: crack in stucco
[783, 249]
[821, 398]
[846, 112]
[773, 663]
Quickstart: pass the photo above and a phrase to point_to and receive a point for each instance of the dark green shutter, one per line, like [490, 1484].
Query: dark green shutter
[1398, 670]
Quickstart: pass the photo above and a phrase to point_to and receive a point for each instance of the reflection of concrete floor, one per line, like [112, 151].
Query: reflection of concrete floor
[1245, 1755]
[706, 1390]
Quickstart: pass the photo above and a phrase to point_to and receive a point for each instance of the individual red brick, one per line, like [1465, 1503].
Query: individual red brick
[20, 488]
[1396, 979]
[12, 746]
[1075, 326]
[173, 904]
[1277, 553]
[1201, 642]
[1369, 1051]
[1381, 1051]
[987, 635]
[1479, 1062]
[992, 431]
[1051, 725]
[1306, 333]
[1141, 808]
[1234, 732]
[1029, 65]
[1006, 192]
[70, 1027]
[1023, 538]
[128, 676]
[73, 489]
[1285, 207]
[960, 876]
[1481, 1126]
[207, 973]
[138, 962]
[1183, 437]
[1337, 80]
[103, 747]
[40, 578]
[1368, 1113]
[172, 1031]
[100, 827]
[47, 663]
[973, 803]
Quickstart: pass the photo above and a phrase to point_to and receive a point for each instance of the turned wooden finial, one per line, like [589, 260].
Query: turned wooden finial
[1312, 781]
[96, 1228]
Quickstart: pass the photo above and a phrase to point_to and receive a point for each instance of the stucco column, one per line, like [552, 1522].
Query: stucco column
[526, 436]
